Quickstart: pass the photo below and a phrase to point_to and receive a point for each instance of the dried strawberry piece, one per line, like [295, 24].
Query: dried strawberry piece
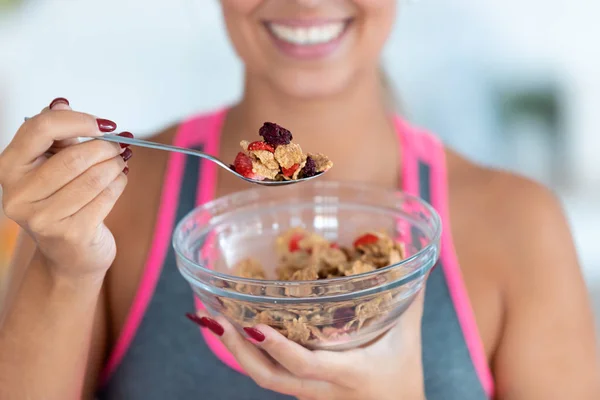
[274, 134]
[243, 166]
[260, 146]
[367, 238]
[310, 168]
[334, 246]
[294, 242]
[288, 172]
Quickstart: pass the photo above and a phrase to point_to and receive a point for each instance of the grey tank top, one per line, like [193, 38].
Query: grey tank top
[169, 359]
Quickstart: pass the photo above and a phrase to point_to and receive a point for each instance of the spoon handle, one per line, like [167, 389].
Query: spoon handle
[160, 146]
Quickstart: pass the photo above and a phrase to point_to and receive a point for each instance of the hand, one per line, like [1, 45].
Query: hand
[60, 191]
[389, 368]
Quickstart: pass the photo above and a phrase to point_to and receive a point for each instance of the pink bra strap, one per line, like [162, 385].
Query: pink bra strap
[430, 150]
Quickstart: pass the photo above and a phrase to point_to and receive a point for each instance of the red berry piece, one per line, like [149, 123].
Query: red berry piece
[367, 238]
[274, 134]
[334, 246]
[295, 242]
[243, 166]
[260, 146]
[288, 172]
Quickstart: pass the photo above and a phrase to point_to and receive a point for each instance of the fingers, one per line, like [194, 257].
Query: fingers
[39, 133]
[96, 211]
[265, 373]
[83, 189]
[336, 367]
[66, 166]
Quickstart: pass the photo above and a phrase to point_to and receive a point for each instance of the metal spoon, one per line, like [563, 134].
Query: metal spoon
[197, 153]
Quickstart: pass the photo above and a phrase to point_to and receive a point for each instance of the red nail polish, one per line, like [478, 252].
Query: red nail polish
[255, 334]
[195, 319]
[127, 154]
[105, 125]
[126, 171]
[127, 135]
[213, 325]
[58, 100]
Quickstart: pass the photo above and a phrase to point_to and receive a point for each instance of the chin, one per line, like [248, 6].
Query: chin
[314, 85]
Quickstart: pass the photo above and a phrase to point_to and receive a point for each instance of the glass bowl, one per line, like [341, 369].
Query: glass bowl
[329, 314]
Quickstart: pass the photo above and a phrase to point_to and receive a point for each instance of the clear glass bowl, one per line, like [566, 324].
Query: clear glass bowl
[332, 314]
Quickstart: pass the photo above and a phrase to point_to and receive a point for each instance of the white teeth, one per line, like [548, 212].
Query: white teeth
[307, 35]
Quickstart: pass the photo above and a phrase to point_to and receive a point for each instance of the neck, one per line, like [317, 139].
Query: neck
[357, 113]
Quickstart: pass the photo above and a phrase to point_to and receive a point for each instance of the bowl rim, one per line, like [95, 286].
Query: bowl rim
[435, 216]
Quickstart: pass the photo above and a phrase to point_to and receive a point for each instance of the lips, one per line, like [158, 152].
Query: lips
[306, 39]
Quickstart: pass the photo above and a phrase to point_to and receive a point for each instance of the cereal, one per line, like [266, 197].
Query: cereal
[322, 163]
[288, 155]
[249, 268]
[307, 256]
[277, 157]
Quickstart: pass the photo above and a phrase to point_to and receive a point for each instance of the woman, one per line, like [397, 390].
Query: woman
[504, 315]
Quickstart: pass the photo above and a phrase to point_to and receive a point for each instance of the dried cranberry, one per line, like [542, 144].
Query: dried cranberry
[310, 168]
[274, 134]
[343, 315]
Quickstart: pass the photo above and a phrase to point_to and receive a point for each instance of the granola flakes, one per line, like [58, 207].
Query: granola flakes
[307, 256]
[277, 157]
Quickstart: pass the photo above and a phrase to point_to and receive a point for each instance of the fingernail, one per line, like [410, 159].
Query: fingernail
[126, 171]
[58, 100]
[105, 125]
[193, 317]
[127, 135]
[127, 154]
[255, 334]
[213, 325]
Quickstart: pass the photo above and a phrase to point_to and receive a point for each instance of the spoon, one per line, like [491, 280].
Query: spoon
[197, 153]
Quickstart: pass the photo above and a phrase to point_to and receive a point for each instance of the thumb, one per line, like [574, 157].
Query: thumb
[60, 104]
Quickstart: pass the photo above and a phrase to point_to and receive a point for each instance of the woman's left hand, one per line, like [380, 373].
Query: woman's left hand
[388, 368]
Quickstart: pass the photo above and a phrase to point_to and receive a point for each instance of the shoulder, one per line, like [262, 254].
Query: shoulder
[523, 246]
[513, 207]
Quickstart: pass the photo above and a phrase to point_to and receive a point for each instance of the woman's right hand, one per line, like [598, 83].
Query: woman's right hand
[60, 191]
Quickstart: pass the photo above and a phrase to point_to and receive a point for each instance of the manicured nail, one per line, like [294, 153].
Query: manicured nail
[127, 154]
[58, 100]
[255, 334]
[126, 171]
[105, 125]
[195, 319]
[213, 325]
[127, 135]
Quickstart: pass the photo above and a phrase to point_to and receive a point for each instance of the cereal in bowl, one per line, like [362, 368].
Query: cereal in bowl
[307, 256]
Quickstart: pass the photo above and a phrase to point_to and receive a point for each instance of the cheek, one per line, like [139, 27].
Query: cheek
[241, 25]
[240, 6]
[379, 17]
[376, 4]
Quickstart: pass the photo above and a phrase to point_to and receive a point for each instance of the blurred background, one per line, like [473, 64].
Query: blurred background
[512, 83]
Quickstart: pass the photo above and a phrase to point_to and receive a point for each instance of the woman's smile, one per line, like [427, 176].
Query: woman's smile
[308, 38]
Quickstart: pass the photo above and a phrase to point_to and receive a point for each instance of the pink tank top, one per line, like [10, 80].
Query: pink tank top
[157, 339]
